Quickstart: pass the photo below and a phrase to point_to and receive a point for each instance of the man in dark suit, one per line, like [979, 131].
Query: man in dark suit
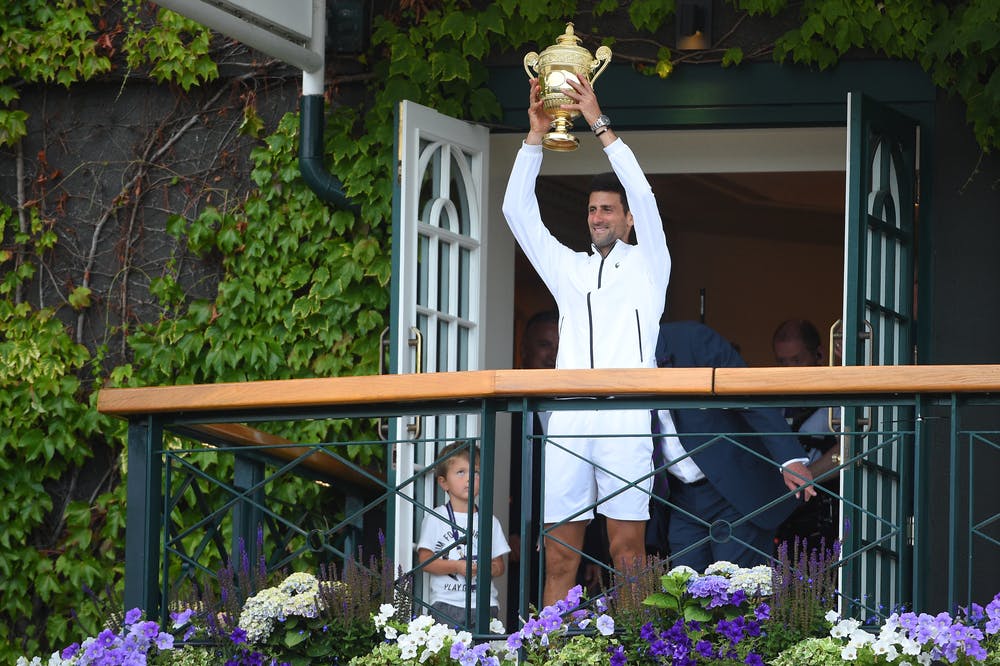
[723, 491]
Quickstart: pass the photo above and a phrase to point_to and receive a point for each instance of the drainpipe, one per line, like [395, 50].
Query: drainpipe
[326, 186]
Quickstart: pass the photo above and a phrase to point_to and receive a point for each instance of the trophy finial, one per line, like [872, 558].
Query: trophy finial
[568, 37]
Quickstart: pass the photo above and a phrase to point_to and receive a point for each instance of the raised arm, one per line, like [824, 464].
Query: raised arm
[652, 242]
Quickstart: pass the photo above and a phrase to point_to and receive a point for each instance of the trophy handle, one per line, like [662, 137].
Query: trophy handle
[602, 57]
[531, 60]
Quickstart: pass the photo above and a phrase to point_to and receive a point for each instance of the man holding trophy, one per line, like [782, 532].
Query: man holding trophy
[610, 302]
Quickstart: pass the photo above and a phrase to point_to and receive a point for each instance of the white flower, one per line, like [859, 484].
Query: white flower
[832, 616]
[849, 653]
[386, 610]
[464, 637]
[682, 569]
[843, 628]
[420, 623]
[885, 647]
[435, 643]
[426, 654]
[496, 627]
[924, 659]
[721, 568]
[861, 637]
[909, 646]
[391, 633]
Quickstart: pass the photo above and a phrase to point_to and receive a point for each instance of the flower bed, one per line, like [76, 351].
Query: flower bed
[681, 618]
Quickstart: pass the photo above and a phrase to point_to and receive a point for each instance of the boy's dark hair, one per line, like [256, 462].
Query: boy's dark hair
[608, 182]
[451, 453]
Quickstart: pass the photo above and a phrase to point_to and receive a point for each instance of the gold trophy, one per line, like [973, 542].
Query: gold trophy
[558, 63]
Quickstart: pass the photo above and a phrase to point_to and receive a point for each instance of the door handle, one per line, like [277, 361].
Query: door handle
[416, 342]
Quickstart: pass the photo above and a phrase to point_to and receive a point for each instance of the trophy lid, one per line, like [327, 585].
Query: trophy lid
[566, 44]
[569, 37]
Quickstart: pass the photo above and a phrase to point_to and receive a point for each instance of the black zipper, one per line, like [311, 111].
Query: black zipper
[590, 323]
[638, 328]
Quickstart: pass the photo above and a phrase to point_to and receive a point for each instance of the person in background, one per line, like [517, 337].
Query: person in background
[797, 343]
[713, 490]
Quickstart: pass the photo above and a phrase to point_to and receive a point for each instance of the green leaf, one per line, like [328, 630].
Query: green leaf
[733, 56]
[79, 298]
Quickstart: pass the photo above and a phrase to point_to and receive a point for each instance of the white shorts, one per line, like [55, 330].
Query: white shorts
[591, 455]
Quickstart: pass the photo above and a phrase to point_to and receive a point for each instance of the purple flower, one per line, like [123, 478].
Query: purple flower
[70, 651]
[605, 625]
[106, 638]
[238, 636]
[133, 616]
[704, 648]
[181, 618]
[754, 659]
[618, 657]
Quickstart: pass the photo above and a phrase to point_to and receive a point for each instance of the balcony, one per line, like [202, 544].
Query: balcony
[919, 506]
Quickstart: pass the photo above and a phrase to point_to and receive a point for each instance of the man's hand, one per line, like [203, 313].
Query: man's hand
[796, 476]
[538, 121]
[586, 100]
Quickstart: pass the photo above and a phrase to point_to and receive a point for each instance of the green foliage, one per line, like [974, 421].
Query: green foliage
[957, 43]
[50, 553]
[823, 651]
[175, 47]
[962, 57]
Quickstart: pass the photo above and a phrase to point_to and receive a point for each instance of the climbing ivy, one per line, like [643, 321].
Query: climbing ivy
[302, 289]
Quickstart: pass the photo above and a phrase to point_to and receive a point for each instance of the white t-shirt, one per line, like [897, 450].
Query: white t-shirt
[436, 534]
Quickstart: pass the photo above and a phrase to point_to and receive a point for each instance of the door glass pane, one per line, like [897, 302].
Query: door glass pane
[463, 348]
[442, 346]
[423, 255]
[460, 194]
[464, 279]
[444, 277]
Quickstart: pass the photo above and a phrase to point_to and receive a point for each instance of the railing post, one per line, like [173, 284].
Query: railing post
[485, 555]
[921, 517]
[144, 504]
[247, 516]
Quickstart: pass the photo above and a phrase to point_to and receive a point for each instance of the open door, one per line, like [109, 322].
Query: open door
[878, 330]
[438, 226]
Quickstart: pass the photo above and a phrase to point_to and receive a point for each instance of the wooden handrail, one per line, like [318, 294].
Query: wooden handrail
[482, 384]
[241, 435]
[858, 379]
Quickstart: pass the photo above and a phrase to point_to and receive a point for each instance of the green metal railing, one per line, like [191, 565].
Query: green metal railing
[918, 500]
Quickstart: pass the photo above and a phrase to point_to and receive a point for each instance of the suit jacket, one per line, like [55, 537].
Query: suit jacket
[743, 479]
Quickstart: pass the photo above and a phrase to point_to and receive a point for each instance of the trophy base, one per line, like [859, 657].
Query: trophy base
[562, 142]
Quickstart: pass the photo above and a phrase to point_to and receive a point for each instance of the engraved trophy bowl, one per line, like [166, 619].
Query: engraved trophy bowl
[565, 60]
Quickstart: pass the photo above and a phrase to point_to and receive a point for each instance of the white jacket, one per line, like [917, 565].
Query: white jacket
[609, 307]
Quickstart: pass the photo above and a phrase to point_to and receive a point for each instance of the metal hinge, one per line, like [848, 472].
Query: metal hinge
[910, 530]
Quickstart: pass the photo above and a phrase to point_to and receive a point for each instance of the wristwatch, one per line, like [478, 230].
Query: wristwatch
[602, 121]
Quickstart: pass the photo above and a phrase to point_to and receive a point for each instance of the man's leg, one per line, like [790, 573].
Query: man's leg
[627, 543]
[695, 507]
[563, 544]
[747, 545]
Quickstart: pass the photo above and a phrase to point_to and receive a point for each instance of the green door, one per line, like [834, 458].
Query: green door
[878, 330]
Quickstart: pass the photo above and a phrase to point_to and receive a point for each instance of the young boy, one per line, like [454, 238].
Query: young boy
[448, 525]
